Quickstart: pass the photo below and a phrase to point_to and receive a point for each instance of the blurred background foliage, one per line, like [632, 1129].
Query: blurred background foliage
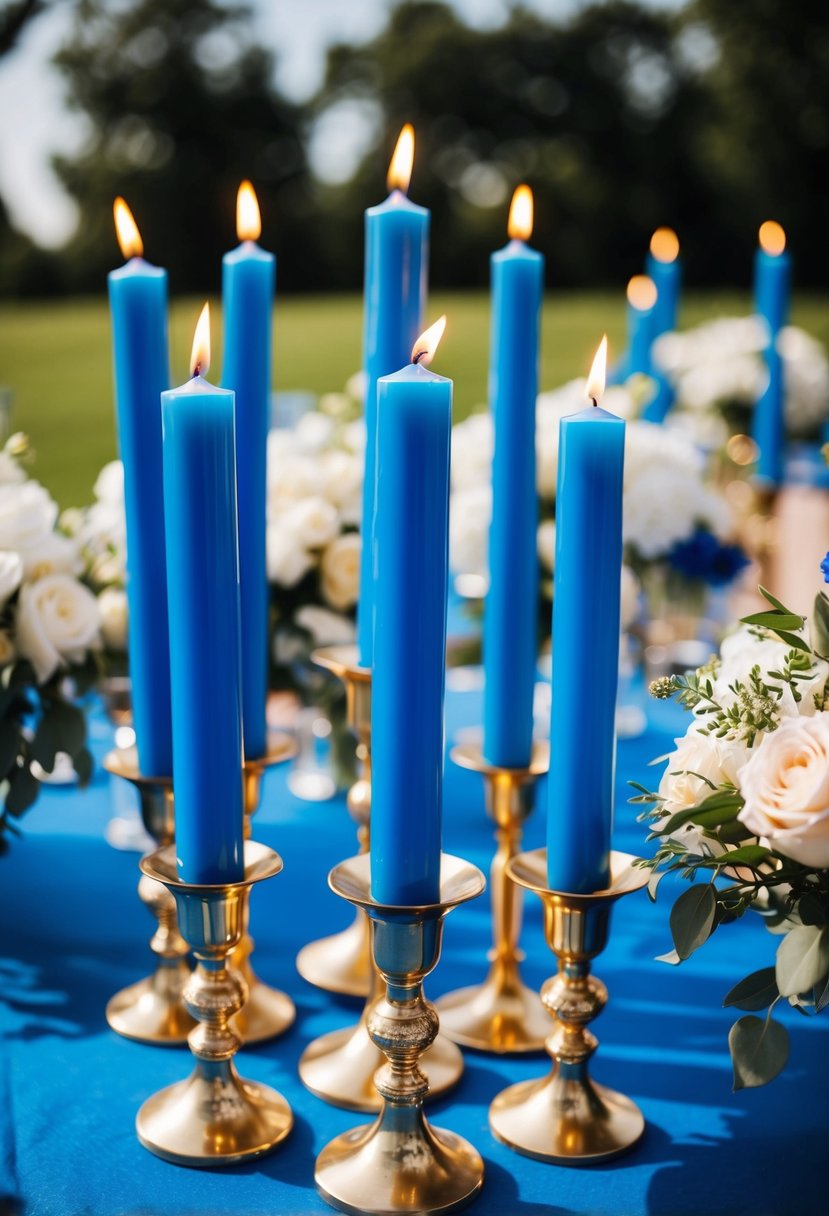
[710, 118]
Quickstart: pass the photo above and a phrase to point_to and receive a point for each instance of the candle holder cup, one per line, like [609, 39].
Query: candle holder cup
[566, 1117]
[342, 963]
[399, 1163]
[267, 1012]
[502, 1014]
[214, 1117]
[152, 1010]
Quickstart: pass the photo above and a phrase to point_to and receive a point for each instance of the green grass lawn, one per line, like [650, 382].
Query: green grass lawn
[55, 359]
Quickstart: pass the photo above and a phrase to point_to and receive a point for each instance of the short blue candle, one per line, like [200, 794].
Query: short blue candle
[665, 269]
[772, 286]
[138, 303]
[414, 423]
[248, 275]
[585, 648]
[396, 267]
[511, 608]
[203, 594]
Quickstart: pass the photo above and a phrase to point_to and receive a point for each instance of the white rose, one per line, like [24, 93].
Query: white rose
[786, 790]
[57, 622]
[313, 432]
[745, 649]
[10, 470]
[342, 475]
[112, 605]
[354, 436]
[326, 628]
[355, 386]
[314, 522]
[109, 484]
[8, 652]
[469, 515]
[52, 554]
[545, 543]
[11, 574]
[698, 760]
[292, 479]
[27, 514]
[340, 571]
[287, 560]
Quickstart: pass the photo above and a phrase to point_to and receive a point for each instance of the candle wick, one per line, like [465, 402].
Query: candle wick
[421, 354]
[595, 403]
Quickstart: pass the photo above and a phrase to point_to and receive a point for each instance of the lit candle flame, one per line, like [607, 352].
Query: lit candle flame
[248, 219]
[772, 238]
[598, 373]
[200, 354]
[665, 245]
[423, 351]
[641, 292]
[126, 229]
[520, 223]
[400, 168]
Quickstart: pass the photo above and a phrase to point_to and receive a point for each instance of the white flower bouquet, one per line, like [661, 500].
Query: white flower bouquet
[50, 633]
[742, 812]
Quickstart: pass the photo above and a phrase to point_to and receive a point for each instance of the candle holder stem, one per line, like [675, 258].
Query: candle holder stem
[566, 1117]
[399, 1163]
[214, 1117]
[501, 1015]
[153, 1010]
[342, 963]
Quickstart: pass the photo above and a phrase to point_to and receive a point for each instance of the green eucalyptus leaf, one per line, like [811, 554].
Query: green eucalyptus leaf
[820, 624]
[802, 959]
[84, 766]
[791, 639]
[759, 1049]
[746, 855]
[671, 958]
[756, 991]
[9, 745]
[774, 620]
[692, 918]
[23, 790]
[767, 595]
[46, 741]
[71, 727]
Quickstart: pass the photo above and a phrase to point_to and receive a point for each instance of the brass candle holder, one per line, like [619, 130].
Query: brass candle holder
[566, 1117]
[213, 1117]
[342, 963]
[399, 1163]
[502, 1014]
[267, 1013]
[152, 1010]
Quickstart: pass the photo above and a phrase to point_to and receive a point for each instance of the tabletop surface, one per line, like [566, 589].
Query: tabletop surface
[74, 932]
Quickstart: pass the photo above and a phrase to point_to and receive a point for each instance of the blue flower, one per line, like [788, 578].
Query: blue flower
[703, 558]
[824, 565]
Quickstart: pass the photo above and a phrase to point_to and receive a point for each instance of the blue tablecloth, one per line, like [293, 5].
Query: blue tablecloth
[74, 932]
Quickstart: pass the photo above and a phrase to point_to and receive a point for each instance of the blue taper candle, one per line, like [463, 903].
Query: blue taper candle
[396, 267]
[585, 644]
[664, 268]
[138, 303]
[414, 424]
[511, 607]
[205, 645]
[248, 275]
[772, 286]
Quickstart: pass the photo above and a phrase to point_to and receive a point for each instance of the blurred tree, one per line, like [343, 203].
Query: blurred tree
[181, 107]
[13, 17]
[597, 113]
[765, 67]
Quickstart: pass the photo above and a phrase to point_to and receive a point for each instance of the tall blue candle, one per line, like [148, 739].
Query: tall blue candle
[585, 643]
[396, 266]
[511, 608]
[203, 595]
[642, 298]
[772, 285]
[665, 269]
[248, 274]
[414, 424]
[138, 303]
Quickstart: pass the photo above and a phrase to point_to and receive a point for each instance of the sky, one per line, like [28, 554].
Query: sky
[35, 121]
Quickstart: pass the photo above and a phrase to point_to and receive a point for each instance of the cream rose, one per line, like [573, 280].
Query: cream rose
[57, 622]
[11, 574]
[287, 560]
[326, 628]
[785, 785]
[52, 554]
[27, 514]
[314, 522]
[109, 484]
[340, 571]
[112, 605]
[743, 650]
[699, 759]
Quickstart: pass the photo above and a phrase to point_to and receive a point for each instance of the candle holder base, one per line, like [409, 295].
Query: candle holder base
[153, 1010]
[566, 1118]
[399, 1164]
[342, 963]
[502, 1015]
[214, 1117]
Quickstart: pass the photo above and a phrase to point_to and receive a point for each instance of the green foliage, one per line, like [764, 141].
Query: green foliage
[692, 919]
[759, 1050]
[756, 991]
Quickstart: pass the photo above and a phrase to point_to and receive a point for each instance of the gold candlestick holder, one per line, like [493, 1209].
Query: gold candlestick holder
[342, 963]
[566, 1117]
[502, 1014]
[267, 1013]
[399, 1163]
[214, 1117]
[152, 1010]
